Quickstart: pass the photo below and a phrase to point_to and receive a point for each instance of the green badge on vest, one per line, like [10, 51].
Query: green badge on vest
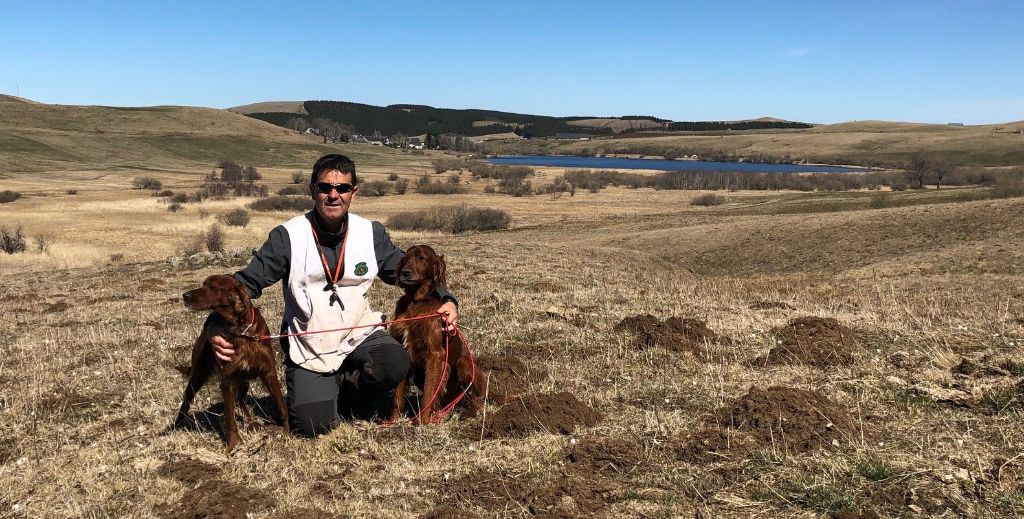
[361, 268]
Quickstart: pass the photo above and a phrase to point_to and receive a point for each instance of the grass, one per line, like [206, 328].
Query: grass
[924, 281]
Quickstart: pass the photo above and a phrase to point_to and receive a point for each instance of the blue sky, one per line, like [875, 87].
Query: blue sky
[934, 61]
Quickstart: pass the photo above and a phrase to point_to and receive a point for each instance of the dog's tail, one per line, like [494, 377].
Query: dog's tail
[184, 370]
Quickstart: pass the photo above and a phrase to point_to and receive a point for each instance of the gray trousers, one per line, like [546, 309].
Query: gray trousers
[361, 388]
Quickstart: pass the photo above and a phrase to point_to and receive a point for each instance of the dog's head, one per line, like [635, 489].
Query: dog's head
[421, 267]
[222, 294]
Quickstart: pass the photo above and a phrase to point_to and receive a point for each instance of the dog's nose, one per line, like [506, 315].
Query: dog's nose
[406, 273]
[186, 297]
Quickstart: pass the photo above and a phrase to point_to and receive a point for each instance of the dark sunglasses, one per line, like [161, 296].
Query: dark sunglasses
[326, 187]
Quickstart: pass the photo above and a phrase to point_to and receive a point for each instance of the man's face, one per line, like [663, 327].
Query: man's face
[333, 206]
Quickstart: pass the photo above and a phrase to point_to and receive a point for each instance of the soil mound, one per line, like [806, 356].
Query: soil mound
[784, 418]
[815, 341]
[674, 333]
[508, 376]
[218, 498]
[558, 413]
[610, 455]
[566, 495]
[188, 471]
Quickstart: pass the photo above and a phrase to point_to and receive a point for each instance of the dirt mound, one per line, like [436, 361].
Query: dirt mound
[219, 498]
[815, 341]
[188, 471]
[674, 333]
[558, 413]
[608, 455]
[565, 495]
[508, 376]
[784, 418]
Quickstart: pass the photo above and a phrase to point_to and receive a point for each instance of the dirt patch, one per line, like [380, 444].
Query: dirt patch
[559, 413]
[565, 495]
[765, 304]
[788, 419]
[608, 455]
[814, 341]
[674, 333]
[54, 308]
[508, 376]
[219, 498]
[188, 471]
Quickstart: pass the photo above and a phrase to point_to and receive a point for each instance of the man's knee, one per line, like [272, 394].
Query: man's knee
[313, 418]
[392, 365]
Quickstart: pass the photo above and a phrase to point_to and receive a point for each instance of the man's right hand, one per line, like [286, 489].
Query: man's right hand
[223, 349]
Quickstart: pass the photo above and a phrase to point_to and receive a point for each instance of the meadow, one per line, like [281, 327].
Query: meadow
[782, 353]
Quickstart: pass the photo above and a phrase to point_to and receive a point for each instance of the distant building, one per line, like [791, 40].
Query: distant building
[414, 142]
[955, 124]
[573, 136]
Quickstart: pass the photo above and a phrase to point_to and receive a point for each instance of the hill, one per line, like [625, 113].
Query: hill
[421, 119]
[36, 136]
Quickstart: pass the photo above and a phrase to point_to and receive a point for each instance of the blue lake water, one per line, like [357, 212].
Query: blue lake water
[663, 165]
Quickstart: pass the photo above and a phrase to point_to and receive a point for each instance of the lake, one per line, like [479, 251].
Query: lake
[565, 161]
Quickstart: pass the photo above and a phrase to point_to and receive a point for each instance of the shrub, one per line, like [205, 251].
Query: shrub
[9, 196]
[165, 193]
[237, 217]
[879, 201]
[489, 189]
[899, 186]
[401, 186]
[204, 213]
[215, 238]
[374, 188]
[12, 241]
[708, 199]
[438, 188]
[452, 219]
[282, 203]
[445, 164]
[72, 192]
[147, 183]
[454, 179]
[42, 244]
[179, 198]
[174, 207]
[393, 177]
[290, 190]
[194, 245]
[298, 177]
[514, 186]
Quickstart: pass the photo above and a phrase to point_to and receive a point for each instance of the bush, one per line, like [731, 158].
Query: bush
[237, 217]
[204, 213]
[374, 188]
[489, 189]
[194, 246]
[290, 190]
[147, 183]
[282, 203]
[174, 207]
[215, 238]
[9, 196]
[708, 199]
[514, 186]
[180, 198]
[880, 201]
[42, 244]
[393, 177]
[452, 219]
[72, 192]
[455, 179]
[445, 164]
[401, 187]
[12, 241]
[899, 186]
[298, 177]
[165, 193]
[438, 188]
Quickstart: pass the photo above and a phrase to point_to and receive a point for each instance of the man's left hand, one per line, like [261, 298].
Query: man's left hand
[451, 316]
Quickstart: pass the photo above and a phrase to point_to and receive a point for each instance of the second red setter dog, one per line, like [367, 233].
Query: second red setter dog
[420, 273]
[233, 317]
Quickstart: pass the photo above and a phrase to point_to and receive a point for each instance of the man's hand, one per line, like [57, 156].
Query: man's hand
[223, 349]
[451, 316]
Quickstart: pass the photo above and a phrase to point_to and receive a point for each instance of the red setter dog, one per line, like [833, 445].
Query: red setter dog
[419, 273]
[233, 317]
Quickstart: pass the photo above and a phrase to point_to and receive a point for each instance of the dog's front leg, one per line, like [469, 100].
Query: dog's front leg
[436, 378]
[229, 389]
[273, 385]
[398, 400]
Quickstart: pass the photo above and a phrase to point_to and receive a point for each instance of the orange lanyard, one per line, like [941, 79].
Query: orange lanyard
[336, 277]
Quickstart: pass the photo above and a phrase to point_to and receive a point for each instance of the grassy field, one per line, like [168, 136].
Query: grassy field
[864, 143]
[783, 354]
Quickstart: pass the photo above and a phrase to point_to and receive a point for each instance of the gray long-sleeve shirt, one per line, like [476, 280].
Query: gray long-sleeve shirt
[273, 261]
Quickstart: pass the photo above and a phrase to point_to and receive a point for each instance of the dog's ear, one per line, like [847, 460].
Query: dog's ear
[244, 304]
[440, 270]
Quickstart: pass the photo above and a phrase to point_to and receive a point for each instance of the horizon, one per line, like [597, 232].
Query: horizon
[920, 62]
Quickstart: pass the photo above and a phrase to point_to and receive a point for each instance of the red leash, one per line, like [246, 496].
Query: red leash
[374, 325]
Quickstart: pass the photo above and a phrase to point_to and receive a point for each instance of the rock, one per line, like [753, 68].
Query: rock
[174, 261]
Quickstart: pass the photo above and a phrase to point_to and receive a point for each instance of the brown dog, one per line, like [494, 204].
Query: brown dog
[233, 317]
[420, 273]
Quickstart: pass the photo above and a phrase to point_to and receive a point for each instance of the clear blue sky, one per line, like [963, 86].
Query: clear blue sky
[929, 61]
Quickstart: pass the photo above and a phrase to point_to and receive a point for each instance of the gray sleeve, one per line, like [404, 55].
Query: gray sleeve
[269, 265]
[388, 258]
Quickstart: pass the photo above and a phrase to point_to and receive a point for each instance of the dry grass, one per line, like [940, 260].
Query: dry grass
[87, 343]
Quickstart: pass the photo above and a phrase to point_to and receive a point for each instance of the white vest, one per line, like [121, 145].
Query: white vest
[307, 305]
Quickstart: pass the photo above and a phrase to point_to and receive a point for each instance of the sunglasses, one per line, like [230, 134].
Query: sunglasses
[326, 187]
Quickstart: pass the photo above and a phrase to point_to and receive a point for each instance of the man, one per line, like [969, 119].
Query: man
[327, 260]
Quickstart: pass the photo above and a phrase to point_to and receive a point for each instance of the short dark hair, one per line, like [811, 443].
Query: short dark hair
[333, 162]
